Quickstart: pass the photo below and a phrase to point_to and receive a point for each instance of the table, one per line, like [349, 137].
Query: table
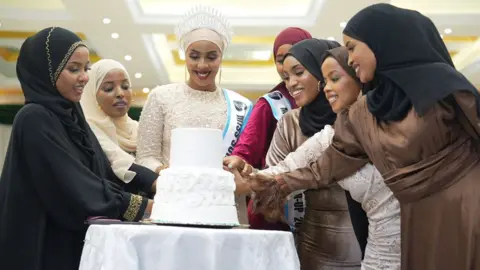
[139, 247]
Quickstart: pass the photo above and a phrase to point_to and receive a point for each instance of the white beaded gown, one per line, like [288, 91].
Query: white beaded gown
[367, 187]
[175, 106]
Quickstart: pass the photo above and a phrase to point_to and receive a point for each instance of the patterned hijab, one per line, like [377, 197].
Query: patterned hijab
[42, 58]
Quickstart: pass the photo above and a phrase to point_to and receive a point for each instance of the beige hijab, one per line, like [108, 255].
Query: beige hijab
[117, 136]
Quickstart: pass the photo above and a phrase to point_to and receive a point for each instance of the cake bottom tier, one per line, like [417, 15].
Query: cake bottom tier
[192, 195]
[211, 215]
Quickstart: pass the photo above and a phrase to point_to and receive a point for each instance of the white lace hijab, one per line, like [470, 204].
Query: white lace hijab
[117, 136]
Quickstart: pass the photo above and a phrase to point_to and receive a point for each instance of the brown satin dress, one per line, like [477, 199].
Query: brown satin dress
[432, 165]
[326, 239]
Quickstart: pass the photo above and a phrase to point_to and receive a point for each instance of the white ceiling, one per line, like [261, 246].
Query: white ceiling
[145, 28]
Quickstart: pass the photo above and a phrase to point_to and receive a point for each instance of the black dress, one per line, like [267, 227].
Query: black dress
[55, 173]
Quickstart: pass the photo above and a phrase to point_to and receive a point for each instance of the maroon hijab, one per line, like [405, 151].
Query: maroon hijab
[290, 35]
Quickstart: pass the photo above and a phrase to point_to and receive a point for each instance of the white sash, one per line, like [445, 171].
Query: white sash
[295, 206]
[238, 112]
[295, 210]
[280, 104]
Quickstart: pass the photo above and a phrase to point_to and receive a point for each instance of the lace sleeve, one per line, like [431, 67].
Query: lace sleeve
[150, 133]
[341, 159]
[309, 151]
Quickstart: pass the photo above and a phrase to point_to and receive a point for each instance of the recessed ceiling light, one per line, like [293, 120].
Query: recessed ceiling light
[115, 35]
[343, 24]
[128, 57]
[262, 55]
[331, 38]
[106, 20]
[447, 31]
[146, 90]
[138, 75]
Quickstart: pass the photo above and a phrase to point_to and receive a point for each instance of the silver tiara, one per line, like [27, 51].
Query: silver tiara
[204, 17]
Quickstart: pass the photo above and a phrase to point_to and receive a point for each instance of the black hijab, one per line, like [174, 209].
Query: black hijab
[413, 64]
[42, 58]
[318, 113]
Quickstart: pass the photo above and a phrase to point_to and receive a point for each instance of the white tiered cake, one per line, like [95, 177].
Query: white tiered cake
[195, 189]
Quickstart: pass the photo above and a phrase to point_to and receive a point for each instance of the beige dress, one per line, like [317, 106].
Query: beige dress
[326, 239]
[432, 165]
[174, 106]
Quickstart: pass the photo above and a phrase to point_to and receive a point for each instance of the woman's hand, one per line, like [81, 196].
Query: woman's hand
[160, 168]
[149, 208]
[242, 185]
[234, 162]
[154, 186]
[268, 198]
[261, 181]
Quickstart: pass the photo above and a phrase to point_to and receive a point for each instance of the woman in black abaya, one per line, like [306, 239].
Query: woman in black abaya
[55, 173]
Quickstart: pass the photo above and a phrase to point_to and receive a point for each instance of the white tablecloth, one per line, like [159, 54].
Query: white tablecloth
[139, 247]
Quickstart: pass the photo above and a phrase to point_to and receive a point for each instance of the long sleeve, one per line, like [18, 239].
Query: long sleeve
[120, 160]
[278, 150]
[137, 177]
[286, 160]
[344, 157]
[150, 133]
[69, 191]
[143, 180]
[468, 117]
[255, 139]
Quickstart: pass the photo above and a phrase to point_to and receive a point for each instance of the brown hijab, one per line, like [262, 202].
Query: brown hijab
[341, 55]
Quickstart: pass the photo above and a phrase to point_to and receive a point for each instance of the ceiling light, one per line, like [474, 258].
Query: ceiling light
[138, 75]
[447, 31]
[262, 55]
[146, 90]
[343, 24]
[331, 38]
[106, 20]
[128, 57]
[181, 54]
[115, 35]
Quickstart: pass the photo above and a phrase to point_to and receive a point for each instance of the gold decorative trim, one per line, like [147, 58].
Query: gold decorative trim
[65, 59]
[133, 207]
[49, 57]
[54, 76]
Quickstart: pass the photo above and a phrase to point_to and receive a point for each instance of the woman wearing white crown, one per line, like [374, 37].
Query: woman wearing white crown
[199, 102]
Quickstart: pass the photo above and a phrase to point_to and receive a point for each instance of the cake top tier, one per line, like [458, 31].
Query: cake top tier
[197, 147]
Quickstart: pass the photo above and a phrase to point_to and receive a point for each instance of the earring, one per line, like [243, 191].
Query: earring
[318, 86]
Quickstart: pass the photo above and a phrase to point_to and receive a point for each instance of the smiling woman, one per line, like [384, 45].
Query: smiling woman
[73, 78]
[199, 102]
[326, 222]
[203, 62]
[55, 174]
